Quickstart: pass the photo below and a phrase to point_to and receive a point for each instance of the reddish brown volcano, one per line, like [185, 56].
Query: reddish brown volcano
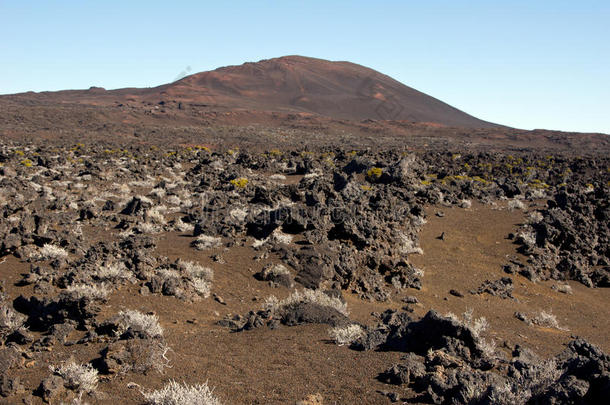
[340, 90]
[335, 89]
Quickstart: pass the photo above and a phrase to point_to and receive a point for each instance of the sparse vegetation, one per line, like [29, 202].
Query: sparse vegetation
[477, 326]
[174, 393]
[148, 325]
[95, 220]
[90, 292]
[374, 173]
[345, 335]
[516, 205]
[205, 242]
[317, 297]
[113, 273]
[10, 321]
[77, 377]
[201, 277]
[241, 182]
[51, 252]
[546, 320]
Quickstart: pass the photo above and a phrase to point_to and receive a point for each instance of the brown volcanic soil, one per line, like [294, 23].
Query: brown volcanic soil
[281, 366]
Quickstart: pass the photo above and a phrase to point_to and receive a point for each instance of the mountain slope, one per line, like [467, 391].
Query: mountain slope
[340, 90]
[336, 89]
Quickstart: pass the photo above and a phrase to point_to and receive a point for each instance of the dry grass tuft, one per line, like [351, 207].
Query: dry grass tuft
[77, 377]
[345, 335]
[306, 296]
[174, 393]
[136, 320]
[205, 242]
[547, 320]
[51, 252]
[91, 292]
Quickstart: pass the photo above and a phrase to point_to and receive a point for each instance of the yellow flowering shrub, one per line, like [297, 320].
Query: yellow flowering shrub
[374, 172]
[240, 182]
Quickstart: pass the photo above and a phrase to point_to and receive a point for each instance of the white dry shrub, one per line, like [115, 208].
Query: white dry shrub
[306, 296]
[477, 326]
[407, 246]
[10, 321]
[173, 200]
[174, 393]
[77, 377]
[533, 380]
[155, 215]
[312, 175]
[538, 377]
[204, 242]
[125, 234]
[47, 194]
[346, 335]
[170, 184]
[148, 228]
[277, 270]
[508, 394]
[277, 177]
[145, 200]
[106, 195]
[202, 287]
[158, 192]
[281, 237]
[238, 214]
[182, 226]
[167, 274]
[113, 272]
[138, 321]
[537, 194]
[515, 205]
[186, 202]
[142, 183]
[49, 252]
[546, 320]
[471, 393]
[534, 217]
[259, 242]
[84, 291]
[197, 271]
[527, 236]
[35, 186]
[122, 189]
[418, 222]
[465, 204]
[217, 165]
[201, 277]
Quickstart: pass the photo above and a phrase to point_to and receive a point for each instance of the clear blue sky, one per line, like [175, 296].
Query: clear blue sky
[528, 64]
